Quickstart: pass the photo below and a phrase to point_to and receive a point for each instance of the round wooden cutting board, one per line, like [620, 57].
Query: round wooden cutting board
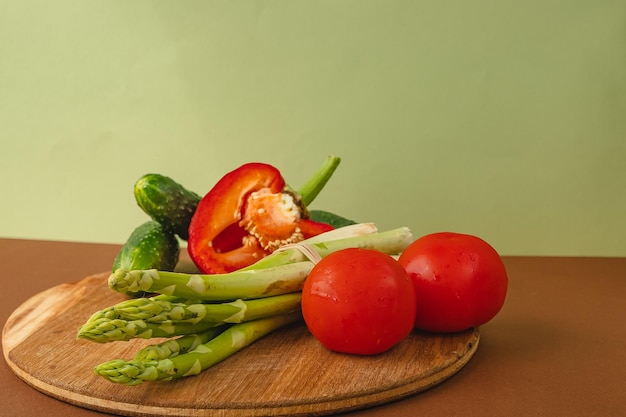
[286, 373]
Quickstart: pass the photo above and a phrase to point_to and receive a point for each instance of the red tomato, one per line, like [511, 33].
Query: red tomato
[358, 301]
[460, 281]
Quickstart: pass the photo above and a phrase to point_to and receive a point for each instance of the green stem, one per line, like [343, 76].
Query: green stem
[109, 313]
[178, 346]
[159, 311]
[312, 187]
[231, 341]
[362, 235]
[104, 330]
[247, 284]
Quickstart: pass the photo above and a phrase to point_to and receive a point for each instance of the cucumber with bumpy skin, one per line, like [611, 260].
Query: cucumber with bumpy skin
[166, 202]
[327, 217]
[149, 246]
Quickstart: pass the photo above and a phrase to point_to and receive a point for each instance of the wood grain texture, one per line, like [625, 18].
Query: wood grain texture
[285, 373]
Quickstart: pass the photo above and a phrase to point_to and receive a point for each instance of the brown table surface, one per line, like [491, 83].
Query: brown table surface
[557, 348]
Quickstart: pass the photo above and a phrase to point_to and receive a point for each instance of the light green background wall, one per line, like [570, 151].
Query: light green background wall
[505, 119]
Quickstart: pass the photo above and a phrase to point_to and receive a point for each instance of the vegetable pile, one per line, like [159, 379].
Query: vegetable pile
[265, 261]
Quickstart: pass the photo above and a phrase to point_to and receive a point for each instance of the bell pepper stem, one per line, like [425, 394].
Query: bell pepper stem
[312, 187]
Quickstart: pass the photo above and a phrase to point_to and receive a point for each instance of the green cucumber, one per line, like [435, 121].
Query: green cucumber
[166, 202]
[149, 246]
[327, 217]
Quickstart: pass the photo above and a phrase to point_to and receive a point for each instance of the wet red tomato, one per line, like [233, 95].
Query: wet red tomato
[358, 301]
[460, 281]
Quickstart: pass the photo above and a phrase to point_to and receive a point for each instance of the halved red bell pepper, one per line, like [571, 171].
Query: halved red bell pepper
[247, 215]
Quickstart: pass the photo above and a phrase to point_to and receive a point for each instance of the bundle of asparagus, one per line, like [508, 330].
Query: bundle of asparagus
[208, 318]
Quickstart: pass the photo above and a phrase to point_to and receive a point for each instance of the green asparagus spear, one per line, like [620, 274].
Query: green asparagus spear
[107, 313]
[232, 340]
[103, 330]
[110, 313]
[158, 311]
[178, 346]
[217, 287]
